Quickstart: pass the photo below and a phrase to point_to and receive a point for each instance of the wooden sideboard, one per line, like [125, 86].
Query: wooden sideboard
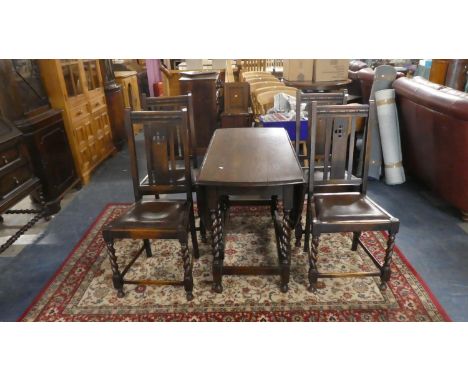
[76, 86]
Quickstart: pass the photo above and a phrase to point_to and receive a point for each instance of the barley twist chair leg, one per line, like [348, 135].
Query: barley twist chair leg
[285, 260]
[218, 249]
[188, 265]
[386, 271]
[117, 278]
[193, 234]
[313, 255]
[307, 227]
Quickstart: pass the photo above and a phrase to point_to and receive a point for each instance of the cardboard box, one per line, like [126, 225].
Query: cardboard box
[330, 70]
[194, 64]
[298, 70]
[218, 64]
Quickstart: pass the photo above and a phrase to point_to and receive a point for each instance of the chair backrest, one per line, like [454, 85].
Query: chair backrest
[322, 99]
[160, 129]
[262, 84]
[253, 94]
[340, 128]
[266, 100]
[249, 65]
[173, 104]
[254, 79]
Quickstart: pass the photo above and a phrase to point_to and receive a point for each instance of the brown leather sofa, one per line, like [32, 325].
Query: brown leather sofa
[434, 130]
[354, 88]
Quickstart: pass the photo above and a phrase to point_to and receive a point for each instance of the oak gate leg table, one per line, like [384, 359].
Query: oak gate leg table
[251, 161]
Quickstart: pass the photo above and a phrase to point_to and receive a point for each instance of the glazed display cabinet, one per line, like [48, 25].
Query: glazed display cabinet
[76, 87]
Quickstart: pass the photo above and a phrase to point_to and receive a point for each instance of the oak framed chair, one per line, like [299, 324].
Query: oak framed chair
[302, 146]
[351, 211]
[175, 103]
[156, 219]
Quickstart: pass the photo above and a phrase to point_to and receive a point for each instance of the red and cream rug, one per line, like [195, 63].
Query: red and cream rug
[82, 290]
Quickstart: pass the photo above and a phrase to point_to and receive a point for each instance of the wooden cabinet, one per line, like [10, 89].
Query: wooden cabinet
[129, 82]
[205, 109]
[76, 87]
[24, 102]
[17, 179]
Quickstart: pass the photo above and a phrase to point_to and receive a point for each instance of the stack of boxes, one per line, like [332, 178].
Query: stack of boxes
[315, 70]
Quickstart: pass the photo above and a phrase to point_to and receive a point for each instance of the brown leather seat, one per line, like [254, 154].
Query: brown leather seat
[149, 215]
[349, 207]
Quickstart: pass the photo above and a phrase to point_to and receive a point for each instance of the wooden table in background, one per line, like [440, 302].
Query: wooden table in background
[251, 161]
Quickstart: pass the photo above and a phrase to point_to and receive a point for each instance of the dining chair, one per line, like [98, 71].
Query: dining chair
[173, 104]
[302, 147]
[156, 219]
[351, 211]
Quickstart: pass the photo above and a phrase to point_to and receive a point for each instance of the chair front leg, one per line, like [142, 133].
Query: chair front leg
[285, 250]
[188, 278]
[386, 271]
[147, 245]
[313, 255]
[307, 225]
[117, 278]
[193, 233]
[217, 248]
[356, 236]
[201, 212]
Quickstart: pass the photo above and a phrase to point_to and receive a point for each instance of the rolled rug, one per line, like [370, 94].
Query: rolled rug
[384, 76]
[390, 136]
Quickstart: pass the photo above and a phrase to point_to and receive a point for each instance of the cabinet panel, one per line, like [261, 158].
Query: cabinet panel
[56, 160]
[87, 123]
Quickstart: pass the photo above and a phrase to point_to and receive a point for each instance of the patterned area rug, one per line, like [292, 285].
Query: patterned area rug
[82, 288]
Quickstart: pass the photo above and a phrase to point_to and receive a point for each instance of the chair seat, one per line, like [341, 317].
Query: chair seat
[153, 216]
[347, 207]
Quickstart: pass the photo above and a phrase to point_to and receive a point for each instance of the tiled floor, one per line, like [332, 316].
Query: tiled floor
[431, 236]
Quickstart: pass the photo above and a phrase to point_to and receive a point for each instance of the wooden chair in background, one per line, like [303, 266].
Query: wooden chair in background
[254, 94]
[251, 65]
[156, 219]
[332, 212]
[266, 100]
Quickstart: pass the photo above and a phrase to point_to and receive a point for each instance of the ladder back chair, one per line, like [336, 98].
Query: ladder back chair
[156, 219]
[336, 212]
[301, 146]
[251, 65]
[173, 104]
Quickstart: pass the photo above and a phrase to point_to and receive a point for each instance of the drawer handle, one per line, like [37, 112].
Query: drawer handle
[5, 159]
[16, 180]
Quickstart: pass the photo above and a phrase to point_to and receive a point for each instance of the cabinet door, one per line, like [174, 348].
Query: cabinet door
[101, 126]
[82, 130]
[92, 74]
[72, 77]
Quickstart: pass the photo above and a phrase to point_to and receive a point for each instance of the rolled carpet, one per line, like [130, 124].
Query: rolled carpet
[390, 136]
